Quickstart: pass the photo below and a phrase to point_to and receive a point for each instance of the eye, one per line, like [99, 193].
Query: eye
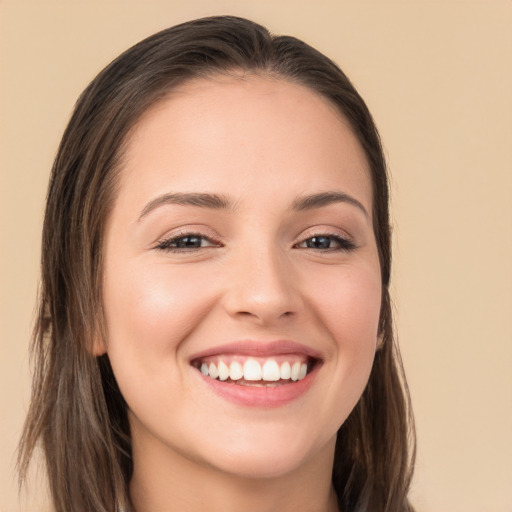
[186, 242]
[327, 243]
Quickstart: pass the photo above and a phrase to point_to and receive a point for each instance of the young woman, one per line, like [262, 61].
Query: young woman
[215, 329]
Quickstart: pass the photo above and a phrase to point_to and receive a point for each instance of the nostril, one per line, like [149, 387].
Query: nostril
[264, 316]
[265, 304]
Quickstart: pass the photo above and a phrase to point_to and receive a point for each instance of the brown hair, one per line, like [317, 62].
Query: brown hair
[77, 412]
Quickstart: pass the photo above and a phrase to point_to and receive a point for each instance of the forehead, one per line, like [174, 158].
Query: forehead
[207, 132]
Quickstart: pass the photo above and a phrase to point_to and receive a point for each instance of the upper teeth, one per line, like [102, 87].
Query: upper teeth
[253, 370]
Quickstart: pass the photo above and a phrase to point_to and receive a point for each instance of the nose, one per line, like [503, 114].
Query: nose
[263, 288]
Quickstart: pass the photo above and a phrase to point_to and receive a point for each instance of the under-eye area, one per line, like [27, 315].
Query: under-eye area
[257, 371]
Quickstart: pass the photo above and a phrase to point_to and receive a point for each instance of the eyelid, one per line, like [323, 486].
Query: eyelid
[325, 231]
[344, 240]
[347, 242]
[183, 233]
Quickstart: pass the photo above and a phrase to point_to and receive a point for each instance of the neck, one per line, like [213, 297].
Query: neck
[164, 481]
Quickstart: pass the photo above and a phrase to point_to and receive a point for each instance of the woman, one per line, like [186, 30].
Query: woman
[215, 327]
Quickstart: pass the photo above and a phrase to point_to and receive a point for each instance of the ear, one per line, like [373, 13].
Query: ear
[380, 342]
[98, 346]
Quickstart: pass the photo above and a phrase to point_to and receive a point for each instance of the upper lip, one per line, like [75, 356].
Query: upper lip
[259, 349]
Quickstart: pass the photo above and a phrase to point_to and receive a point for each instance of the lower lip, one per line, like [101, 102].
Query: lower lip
[261, 396]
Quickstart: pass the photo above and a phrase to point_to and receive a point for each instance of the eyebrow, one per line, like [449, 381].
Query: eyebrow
[222, 202]
[203, 200]
[313, 201]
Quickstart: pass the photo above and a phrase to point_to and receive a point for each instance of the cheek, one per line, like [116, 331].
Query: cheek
[349, 309]
[150, 310]
[349, 305]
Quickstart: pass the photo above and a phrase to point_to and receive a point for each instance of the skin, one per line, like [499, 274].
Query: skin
[261, 142]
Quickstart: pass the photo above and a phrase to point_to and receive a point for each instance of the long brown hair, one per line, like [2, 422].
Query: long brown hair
[77, 412]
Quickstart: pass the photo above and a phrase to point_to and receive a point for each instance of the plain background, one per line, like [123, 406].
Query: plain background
[437, 76]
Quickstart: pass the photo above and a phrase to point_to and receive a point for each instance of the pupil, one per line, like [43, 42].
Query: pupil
[189, 241]
[319, 242]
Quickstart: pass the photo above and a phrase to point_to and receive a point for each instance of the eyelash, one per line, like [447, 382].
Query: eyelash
[344, 244]
[168, 244]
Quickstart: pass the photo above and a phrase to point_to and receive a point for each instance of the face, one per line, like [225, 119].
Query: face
[242, 283]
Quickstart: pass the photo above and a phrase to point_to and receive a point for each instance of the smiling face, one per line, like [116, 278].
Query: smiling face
[242, 284]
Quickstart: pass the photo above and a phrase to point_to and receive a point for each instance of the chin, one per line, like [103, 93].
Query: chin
[263, 466]
[271, 455]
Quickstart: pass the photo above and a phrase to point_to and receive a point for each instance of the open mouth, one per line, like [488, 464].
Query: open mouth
[256, 371]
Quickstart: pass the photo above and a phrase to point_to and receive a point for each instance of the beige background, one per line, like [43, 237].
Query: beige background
[438, 77]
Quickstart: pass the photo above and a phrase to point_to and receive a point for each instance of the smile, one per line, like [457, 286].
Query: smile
[258, 374]
[250, 371]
